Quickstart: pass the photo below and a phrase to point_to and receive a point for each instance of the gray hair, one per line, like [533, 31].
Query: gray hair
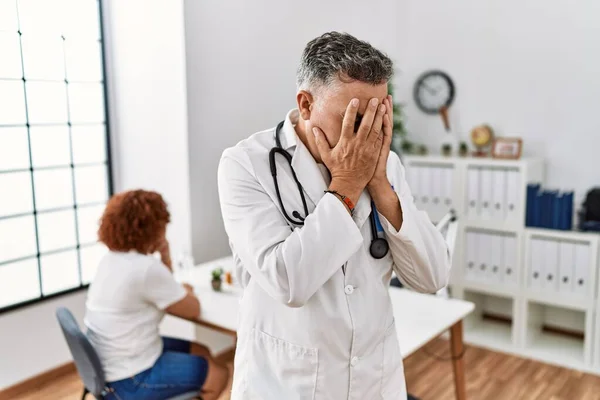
[341, 56]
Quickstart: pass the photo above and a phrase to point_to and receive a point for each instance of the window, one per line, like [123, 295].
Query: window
[54, 158]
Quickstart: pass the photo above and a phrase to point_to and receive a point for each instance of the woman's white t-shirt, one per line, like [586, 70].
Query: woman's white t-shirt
[124, 308]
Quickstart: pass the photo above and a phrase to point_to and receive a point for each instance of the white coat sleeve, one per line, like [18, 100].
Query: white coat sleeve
[290, 266]
[420, 253]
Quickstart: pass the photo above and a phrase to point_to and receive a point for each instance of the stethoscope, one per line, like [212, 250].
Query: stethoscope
[379, 245]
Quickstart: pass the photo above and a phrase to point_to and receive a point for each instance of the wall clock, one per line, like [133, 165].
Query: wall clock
[433, 90]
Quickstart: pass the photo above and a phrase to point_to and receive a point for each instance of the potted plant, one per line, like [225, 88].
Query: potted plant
[463, 149]
[422, 150]
[447, 150]
[407, 147]
[399, 129]
[216, 279]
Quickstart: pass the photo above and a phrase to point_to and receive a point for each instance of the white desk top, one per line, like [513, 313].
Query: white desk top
[419, 317]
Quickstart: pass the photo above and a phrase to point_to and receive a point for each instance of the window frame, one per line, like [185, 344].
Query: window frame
[110, 186]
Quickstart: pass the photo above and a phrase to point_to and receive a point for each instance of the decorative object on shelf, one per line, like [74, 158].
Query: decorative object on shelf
[548, 208]
[463, 149]
[508, 148]
[446, 150]
[228, 278]
[482, 137]
[422, 150]
[216, 279]
[432, 91]
[589, 214]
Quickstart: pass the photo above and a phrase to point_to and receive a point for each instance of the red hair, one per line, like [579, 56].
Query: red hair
[134, 220]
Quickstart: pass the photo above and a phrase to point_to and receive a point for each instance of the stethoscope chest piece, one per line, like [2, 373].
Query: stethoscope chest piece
[379, 248]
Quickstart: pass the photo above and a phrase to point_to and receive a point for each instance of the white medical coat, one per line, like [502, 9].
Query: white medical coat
[307, 329]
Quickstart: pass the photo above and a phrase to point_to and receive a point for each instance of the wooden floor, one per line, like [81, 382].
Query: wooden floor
[489, 375]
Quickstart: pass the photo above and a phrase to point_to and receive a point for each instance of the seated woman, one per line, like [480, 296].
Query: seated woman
[127, 300]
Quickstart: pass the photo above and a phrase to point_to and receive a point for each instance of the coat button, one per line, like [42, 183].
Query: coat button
[354, 361]
[349, 289]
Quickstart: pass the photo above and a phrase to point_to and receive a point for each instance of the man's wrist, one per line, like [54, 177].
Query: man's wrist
[348, 189]
[379, 185]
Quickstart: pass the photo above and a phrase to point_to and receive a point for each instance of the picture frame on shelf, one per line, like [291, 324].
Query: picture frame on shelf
[507, 148]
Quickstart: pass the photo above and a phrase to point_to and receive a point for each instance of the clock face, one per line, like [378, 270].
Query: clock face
[433, 90]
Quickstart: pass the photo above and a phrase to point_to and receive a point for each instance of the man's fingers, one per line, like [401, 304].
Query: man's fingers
[387, 119]
[322, 143]
[368, 118]
[377, 126]
[349, 119]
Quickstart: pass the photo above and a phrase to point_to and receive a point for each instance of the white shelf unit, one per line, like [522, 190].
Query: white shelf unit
[536, 311]
[485, 326]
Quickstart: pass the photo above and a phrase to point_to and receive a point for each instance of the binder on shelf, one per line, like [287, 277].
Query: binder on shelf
[414, 183]
[535, 262]
[499, 194]
[582, 269]
[497, 262]
[426, 188]
[550, 266]
[510, 275]
[567, 210]
[473, 193]
[448, 187]
[486, 199]
[513, 198]
[436, 190]
[557, 202]
[565, 266]
[471, 245]
[532, 191]
[483, 256]
[537, 209]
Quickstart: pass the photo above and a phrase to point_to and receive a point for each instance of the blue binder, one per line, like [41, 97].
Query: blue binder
[567, 210]
[537, 209]
[532, 192]
[557, 211]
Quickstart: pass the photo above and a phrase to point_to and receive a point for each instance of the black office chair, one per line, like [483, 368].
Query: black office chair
[87, 361]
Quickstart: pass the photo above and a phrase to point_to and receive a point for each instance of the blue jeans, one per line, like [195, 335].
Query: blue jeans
[175, 372]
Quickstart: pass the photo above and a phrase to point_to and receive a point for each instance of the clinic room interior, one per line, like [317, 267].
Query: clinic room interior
[276, 200]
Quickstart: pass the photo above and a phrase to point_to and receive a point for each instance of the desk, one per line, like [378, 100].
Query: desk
[420, 317]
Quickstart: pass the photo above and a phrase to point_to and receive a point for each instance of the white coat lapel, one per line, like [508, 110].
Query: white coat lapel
[308, 173]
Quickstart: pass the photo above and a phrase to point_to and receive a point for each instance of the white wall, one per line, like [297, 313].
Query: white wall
[31, 341]
[241, 63]
[528, 68]
[146, 72]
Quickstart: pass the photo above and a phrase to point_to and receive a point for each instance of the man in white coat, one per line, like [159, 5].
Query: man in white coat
[316, 320]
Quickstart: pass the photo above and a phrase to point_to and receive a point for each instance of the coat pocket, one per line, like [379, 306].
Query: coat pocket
[278, 369]
[392, 381]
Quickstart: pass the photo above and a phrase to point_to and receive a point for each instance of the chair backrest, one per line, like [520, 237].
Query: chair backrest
[85, 357]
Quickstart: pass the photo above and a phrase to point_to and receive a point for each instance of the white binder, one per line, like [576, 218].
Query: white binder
[448, 187]
[512, 194]
[425, 188]
[550, 282]
[535, 263]
[484, 256]
[582, 269]
[437, 204]
[510, 275]
[566, 269]
[486, 200]
[473, 175]
[499, 194]
[471, 251]
[497, 262]
[412, 178]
